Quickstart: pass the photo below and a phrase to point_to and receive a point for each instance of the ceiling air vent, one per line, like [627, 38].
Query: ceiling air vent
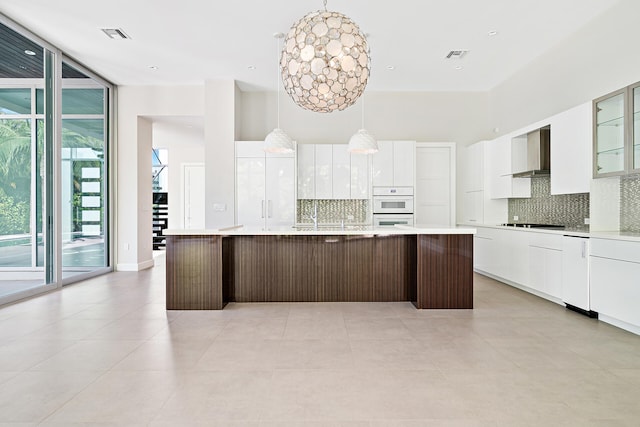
[457, 54]
[115, 33]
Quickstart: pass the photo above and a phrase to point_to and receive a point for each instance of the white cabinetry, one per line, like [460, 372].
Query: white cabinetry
[306, 171]
[473, 183]
[329, 171]
[394, 164]
[545, 264]
[501, 182]
[614, 286]
[571, 150]
[265, 186]
[528, 260]
[575, 272]
[341, 176]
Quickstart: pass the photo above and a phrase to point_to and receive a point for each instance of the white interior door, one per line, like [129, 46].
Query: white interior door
[435, 183]
[193, 192]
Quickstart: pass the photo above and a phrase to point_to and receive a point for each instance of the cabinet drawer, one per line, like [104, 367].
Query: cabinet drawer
[548, 241]
[485, 233]
[616, 249]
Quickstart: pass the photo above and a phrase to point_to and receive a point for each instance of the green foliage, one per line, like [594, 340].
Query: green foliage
[14, 216]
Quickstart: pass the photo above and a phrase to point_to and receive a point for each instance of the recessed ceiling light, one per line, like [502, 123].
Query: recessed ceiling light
[30, 52]
[251, 67]
[390, 67]
[492, 33]
[153, 67]
[459, 67]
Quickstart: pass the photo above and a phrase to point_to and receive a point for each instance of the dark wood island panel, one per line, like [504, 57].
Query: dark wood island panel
[445, 271]
[431, 270]
[194, 273]
[321, 268]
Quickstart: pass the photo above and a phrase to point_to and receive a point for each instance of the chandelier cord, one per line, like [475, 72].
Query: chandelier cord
[363, 110]
[278, 79]
[325, 5]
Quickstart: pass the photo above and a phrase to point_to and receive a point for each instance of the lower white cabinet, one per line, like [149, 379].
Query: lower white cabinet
[615, 282]
[265, 187]
[545, 264]
[528, 260]
[575, 272]
[473, 211]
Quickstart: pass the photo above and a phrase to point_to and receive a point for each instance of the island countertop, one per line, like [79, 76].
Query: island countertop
[322, 230]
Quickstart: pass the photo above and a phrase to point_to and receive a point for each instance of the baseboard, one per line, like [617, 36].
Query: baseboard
[135, 267]
[635, 329]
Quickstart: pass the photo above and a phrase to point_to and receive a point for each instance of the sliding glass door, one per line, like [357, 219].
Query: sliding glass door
[54, 162]
[83, 173]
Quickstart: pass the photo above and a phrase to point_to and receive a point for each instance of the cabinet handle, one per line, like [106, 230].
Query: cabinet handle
[584, 249]
[269, 209]
[262, 209]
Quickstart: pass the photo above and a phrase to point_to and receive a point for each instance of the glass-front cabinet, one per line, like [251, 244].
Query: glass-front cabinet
[616, 122]
[610, 134]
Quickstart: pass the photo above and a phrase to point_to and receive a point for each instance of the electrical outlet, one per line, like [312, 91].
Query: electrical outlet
[587, 221]
[515, 217]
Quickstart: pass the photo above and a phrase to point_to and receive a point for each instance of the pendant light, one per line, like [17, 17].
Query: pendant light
[277, 141]
[325, 61]
[362, 142]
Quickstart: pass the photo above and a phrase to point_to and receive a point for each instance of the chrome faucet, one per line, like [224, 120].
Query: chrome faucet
[314, 217]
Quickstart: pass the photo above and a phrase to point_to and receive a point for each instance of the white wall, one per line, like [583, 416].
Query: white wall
[220, 134]
[598, 59]
[184, 145]
[133, 170]
[426, 116]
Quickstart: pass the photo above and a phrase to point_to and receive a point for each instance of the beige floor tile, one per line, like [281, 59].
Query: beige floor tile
[315, 354]
[19, 355]
[220, 396]
[126, 398]
[237, 355]
[327, 326]
[175, 355]
[33, 396]
[88, 356]
[514, 360]
[253, 328]
[381, 329]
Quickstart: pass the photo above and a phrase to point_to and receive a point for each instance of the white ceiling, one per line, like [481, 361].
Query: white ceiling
[191, 41]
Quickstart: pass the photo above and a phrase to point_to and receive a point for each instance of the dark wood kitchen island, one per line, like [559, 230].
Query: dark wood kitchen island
[431, 267]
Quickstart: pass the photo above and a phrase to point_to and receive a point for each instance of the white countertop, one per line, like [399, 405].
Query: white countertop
[611, 235]
[322, 231]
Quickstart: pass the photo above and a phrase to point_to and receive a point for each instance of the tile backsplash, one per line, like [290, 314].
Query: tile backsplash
[331, 211]
[630, 203]
[569, 210]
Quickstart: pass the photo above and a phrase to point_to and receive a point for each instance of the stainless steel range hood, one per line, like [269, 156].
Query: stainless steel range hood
[538, 153]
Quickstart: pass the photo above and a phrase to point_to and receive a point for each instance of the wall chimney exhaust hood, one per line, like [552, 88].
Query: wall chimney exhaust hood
[531, 154]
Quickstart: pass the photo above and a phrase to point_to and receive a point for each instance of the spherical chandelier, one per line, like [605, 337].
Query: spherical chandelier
[325, 61]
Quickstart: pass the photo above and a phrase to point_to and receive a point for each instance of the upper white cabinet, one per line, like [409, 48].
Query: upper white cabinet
[329, 171]
[571, 154]
[394, 164]
[501, 182]
[474, 167]
[341, 171]
[265, 186]
[324, 171]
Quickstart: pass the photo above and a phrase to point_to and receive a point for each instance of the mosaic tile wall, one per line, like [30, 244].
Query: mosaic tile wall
[569, 210]
[332, 211]
[630, 203]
